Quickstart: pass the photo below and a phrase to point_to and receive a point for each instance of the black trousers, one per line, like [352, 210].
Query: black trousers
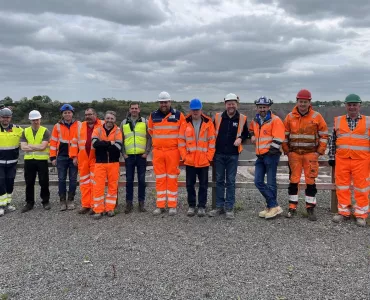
[33, 167]
[7, 176]
[191, 178]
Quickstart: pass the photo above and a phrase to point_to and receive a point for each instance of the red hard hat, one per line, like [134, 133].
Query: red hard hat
[304, 94]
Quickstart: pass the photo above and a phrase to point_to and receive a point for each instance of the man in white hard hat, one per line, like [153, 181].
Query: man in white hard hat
[231, 130]
[10, 135]
[35, 144]
[164, 126]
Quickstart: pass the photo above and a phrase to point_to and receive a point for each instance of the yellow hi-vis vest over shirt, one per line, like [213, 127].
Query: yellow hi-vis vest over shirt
[135, 140]
[36, 140]
[9, 144]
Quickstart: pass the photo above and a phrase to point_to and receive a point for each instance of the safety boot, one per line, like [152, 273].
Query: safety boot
[230, 215]
[70, 201]
[10, 208]
[215, 212]
[84, 210]
[339, 218]
[191, 212]
[291, 213]
[63, 202]
[26, 208]
[129, 207]
[273, 212]
[158, 211]
[2, 211]
[311, 214]
[360, 222]
[172, 211]
[97, 216]
[142, 206]
[201, 212]
[111, 213]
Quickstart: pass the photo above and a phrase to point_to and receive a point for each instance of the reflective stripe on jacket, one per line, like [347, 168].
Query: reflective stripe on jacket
[305, 134]
[134, 140]
[242, 121]
[352, 144]
[268, 135]
[36, 140]
[61, 138]
[197, 153]
[165, 129]
[9, 144]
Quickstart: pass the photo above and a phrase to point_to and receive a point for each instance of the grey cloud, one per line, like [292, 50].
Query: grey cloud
[128, 12]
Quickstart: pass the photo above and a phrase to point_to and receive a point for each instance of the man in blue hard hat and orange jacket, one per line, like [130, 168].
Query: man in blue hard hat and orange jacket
[197, 140]
[61, 139]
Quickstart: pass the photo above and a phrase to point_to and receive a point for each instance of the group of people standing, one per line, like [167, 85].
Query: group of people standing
[93, 149]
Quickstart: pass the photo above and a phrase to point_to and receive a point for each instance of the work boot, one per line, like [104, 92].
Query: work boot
[10, 208]
[91, 212]
[360, 222]
[191, 212]
[311, 214]
[2, 211]
[63, 202]
[215, 212]
[273, 212]
[339, 218]
[46, 206]
[158, 211]
[129, 207]
[262, 214]
[230, 215]
[142, 206]
[291, 213]
[172, 211]
[70, 201]
[111, 213]
[84, 210]
[201, 212]
[26, 208]
[97, 216]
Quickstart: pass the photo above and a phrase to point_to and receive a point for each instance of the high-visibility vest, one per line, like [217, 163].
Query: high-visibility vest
[242, 121]
[36, 140]
[135, 141]
[9, 144]
[352, 144]
[305, 134]
[270, 134]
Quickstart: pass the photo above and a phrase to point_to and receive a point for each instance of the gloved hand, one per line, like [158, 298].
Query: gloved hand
[331, 162]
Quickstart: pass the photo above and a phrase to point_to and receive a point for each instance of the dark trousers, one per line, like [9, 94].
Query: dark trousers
[32, 168]
[191, 178]
[135, 160]
[65, 166]
[7, 176]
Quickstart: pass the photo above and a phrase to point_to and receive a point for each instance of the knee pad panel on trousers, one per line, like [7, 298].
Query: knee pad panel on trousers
[293, 189]
[311, 190]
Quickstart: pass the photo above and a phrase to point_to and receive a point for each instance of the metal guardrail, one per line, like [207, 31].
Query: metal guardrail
[212, 184]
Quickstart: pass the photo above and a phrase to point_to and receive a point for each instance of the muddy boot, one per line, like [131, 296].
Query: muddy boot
[142, 206]
[63, 202]
[70, 201]
[129, 207]
[311, 214]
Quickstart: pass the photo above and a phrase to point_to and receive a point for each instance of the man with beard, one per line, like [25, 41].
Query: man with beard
[83, 156]
[231, 130]
[10, 135]
[107, 142]
[267, 133]
[137, 143]
[164, 125]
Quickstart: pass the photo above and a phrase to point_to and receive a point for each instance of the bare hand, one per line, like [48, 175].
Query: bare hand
[75, 161]
[144, 155]
[112, 142]
[125, 156]
[253, 139]
[237, 142]
[54, 162]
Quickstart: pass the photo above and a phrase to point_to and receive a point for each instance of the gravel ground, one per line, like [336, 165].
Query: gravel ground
[62, 255]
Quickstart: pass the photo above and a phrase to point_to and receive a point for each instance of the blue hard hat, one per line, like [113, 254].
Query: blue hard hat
[195, 104]
[66, 107]
[263, 101]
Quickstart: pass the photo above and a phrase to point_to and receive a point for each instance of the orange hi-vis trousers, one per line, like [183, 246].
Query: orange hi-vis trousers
[357, 171]
[308, 163]
[102, 172]
[86, 172]
[166, 169]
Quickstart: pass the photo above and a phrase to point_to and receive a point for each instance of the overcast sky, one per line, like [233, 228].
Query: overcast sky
[133, 49]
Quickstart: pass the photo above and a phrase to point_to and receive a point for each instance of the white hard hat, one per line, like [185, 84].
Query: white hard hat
[34, 115]
[231, 96]
[164, 96]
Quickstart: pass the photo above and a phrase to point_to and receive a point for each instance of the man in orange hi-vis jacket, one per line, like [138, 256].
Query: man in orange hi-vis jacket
[197, 139]
[349, 152]
[163, 126]
[84, 156]
[306, 138]
[107, 142]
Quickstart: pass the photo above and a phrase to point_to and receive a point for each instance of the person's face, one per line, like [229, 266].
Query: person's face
[36, 123]
[67, 115]
[231, 106]
[90, 116]
[303, 105]
[196, 114]
[164, 106]
[109, 120]
[5, 121]
[262, 110]
[353, 109]
[135, 110]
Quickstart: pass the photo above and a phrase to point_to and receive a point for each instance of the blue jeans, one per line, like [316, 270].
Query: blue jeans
[267, 164]
[226, 167]
[140, 163]
[65, 165]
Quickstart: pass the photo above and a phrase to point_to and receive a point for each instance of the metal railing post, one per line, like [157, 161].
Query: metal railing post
[334, 199]
[214, 187]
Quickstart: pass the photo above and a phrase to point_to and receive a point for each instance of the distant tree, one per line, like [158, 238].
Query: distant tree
[7, 101]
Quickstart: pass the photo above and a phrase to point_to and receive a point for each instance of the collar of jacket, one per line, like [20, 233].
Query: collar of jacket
[172, 111]
[235, 117]
[65, 124]
[296, 112]
[258, 119]
[358, 117]
[7, 128]
[203, 117]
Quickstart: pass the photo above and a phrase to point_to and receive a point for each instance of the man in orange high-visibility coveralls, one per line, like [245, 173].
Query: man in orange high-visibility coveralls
[349, 151]
[107, 142]
[163, 126]
[84, 156]
[306, 138]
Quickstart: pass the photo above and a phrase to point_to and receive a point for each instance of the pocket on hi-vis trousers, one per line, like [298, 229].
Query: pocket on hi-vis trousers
[314, 168]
